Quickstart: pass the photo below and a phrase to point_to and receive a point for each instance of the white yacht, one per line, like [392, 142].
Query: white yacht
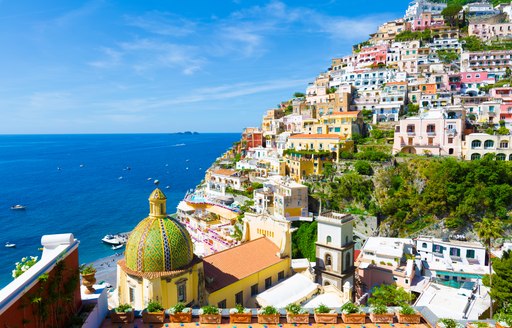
[18, 207]
[10, 245]
[112, 240]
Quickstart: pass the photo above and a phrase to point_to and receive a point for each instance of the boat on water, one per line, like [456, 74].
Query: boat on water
[112, 240]
[117, 246]
[10, 245]
[18, 207]
[149, 179]
[167, 187]
[120, 178]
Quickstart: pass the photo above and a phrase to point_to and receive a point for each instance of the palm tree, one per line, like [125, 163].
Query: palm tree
[487, 230]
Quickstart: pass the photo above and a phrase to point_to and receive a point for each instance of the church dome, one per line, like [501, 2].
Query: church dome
[158, 243]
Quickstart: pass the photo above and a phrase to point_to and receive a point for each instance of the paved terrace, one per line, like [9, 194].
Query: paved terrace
[225, 324]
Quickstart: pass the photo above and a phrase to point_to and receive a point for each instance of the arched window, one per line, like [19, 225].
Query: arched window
[501, 157]
[326, 283]
[328, 259]
[504, 144]
[329, 239]
[475, 156]
[488, 144]
[510, 157]
[476, 144]
[348, 261]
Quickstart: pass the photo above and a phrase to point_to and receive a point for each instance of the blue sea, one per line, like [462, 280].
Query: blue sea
[72, 183]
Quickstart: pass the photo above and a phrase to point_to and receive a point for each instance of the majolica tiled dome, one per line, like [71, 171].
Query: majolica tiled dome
[158, 243]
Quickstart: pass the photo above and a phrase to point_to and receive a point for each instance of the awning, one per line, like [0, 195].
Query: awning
[295, 289]
[222, 212]
[183, 206]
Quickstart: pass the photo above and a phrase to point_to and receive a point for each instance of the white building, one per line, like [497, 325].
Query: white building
[418, 7]
[477, 145]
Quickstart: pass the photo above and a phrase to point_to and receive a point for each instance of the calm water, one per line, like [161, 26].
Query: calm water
[91, 201]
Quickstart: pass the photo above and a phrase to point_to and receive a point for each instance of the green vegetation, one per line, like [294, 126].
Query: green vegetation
[268, 310]
[209, 309]
[123, 308]
[349, 308]
[407, 309]
[389, 295]
[448, 323]
[379, 309]
[447, 57]
[363, 168]
[304, 239]
[87, 269]
[373, 155]
[473, 43]
[451, 14]
[307, 152]
[423, 191]
[295, 308]
[410, 35]
[154, 306]
[322, 309]
[288, 110]
[505, 313]
[298, 95]
[367, 114]
[463, 2]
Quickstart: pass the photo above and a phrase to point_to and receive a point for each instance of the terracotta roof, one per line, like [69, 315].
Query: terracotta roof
[236, 263]
[227, 172]
[315, 136]
[396, 83]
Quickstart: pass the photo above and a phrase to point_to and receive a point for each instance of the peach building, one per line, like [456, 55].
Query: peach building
[437, 132]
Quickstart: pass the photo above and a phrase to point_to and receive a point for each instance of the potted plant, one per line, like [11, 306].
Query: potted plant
[180, 313]
[504, 319]
[154, 313]
[210, 314]
[324, 314]
[122, 314]
[448, 323]
[268, 315]
[352, 314]
[296, 314]
[239, 314]
[380, 314]
[407, 314]
[478, 324]
[88, 273]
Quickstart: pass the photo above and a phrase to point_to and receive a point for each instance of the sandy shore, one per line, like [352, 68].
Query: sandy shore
[106, 268]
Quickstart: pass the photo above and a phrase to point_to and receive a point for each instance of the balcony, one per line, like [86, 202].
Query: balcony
[451, 132]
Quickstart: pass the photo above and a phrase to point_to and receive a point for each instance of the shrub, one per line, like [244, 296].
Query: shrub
[295, 308]
[154, 306]
[123, 308]
[323, 309]
[407, 310]
[380, 309]
[22, 266]
[179, 308]
[209, 309]
[267, 310]
[87, 269]
[449, 323]
[349, 308]
[363, 168]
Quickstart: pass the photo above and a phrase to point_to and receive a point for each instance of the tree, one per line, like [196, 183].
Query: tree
[501, 289]
[413, 109]
[451, 14]
[389, 295]
[363, 168]
[298, 95]
[487, 230]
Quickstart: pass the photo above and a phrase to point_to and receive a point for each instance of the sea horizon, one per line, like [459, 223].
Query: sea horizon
[92, 185]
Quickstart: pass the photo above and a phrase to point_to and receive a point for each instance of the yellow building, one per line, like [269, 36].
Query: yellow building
[344, 124]
[160, 265]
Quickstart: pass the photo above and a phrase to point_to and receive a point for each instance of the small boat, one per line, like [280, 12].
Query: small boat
[186, 168]
[18, 207]
[58, 168]
[167, 187]
[166, 165]
[149, 179]
[10, 245]
[187, 160]
[128, 168]
[120, 178]
[81, 165]
[117, 246]
[111, 240]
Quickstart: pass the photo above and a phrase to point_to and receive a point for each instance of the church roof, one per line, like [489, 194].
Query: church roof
[157, 194]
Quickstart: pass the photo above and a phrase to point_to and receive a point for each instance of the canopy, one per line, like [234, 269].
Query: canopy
[295, 289]
[183, 206]
[222, 212]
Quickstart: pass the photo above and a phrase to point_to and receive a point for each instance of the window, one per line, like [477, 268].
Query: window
[348, 261]
[488, 144]
[430, 141]
[437, 249]
[411, 128]
[328, 259]
[254, 290]
[239, 298]
[182, 292]
[431, 128]
[476, 144]
[424, 245]
[470, 253]
[475, 156]
[268, 282]
[132, 294]
[504, 144]
[280, 276]
[454, 251]
[221, 304]
[450, 151]
[501, 157]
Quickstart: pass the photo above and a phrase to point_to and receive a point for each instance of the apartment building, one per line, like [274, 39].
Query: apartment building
[217, 181]
[495, 61]
[504, 94]
[437, 132]
[477, 145]
[418, 7]
[488, 32]
[392, 101]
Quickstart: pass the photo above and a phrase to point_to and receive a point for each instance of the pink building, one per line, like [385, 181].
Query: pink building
[427, 20]
[472, 81]
[371, 56]
[438, 132]
[505, 94]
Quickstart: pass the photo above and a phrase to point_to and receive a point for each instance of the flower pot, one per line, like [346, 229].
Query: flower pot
[297, 318]
[326, 318]
[153, 317]
[88, 280]
[501, 325]
[354, 317]
[210, 318]
[181, 317]
[268, 318]
[240, 318]
[122, 317]
[408, 318]
[382, 318]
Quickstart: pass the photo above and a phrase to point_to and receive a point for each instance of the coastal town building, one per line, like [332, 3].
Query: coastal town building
[477, 145]
[494, 61]
[219, 180]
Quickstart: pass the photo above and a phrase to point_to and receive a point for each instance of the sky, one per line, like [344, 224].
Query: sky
[123, 66]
